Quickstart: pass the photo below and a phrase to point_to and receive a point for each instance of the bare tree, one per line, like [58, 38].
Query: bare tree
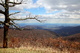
[6, 4]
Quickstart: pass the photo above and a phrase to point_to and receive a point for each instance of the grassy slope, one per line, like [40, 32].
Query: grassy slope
[19, 51]
[30, 50]
[34, 50]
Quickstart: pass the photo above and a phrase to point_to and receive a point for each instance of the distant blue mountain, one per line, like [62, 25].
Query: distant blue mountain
[63, 29]
[60, 28]
[66, 31]
[49, 24]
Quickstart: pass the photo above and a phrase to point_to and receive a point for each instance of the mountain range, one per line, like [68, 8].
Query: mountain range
[32, 33]
[62, 30]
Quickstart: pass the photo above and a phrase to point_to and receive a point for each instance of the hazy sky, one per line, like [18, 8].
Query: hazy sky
[53, 11]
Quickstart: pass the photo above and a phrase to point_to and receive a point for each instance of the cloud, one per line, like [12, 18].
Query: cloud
[69, 10]
[70, 5]
[62, 21]
[49, 5]
[28, 4]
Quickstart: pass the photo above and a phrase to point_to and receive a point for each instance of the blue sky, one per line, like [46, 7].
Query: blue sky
[36, 11]
[41, 10]
[34, 1]
[53, 11]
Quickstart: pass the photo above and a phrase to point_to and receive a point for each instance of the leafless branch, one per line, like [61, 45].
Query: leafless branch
[2, 12]
[17, 27]
[2, 1]
[8, 24]
[37, 19]
[11, 5]
[2, 4]
[15, 3]
[29, 18]
[14, 22]
[23, 19]
[14, 13]
[1, 22]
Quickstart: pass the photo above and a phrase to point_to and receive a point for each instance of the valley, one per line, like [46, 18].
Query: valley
[57, 37]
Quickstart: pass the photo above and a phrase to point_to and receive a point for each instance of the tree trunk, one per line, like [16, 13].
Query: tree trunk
[6, 25]
[5, 38]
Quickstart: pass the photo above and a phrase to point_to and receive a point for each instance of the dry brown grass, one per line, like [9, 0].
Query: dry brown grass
[31, 49]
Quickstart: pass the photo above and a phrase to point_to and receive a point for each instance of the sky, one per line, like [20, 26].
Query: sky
[48, 11]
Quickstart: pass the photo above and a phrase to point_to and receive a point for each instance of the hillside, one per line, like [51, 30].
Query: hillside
[66, 31]
[60, 30]
[32, 33]
[40, 38]
[75, 37]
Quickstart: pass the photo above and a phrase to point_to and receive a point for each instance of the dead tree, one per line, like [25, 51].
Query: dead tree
[6, 4]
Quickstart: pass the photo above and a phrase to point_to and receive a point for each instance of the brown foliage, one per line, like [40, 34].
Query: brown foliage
[27, 37]
[45, 42]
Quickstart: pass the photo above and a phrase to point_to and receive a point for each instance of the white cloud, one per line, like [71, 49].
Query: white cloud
[70, 5]
[1, 16]
[28, 4]
[70, 10]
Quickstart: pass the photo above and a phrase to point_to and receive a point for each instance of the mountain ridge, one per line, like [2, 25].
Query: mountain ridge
[34, 33]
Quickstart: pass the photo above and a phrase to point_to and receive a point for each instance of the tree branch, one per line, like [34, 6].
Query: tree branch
[14, 13]
[16, 2]
[17, 27]
[28, 18]
[2, 12]
[11, 5]
[1, 22]
[2, 1]
[23, 19]
[2, 4]
[14, 24]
